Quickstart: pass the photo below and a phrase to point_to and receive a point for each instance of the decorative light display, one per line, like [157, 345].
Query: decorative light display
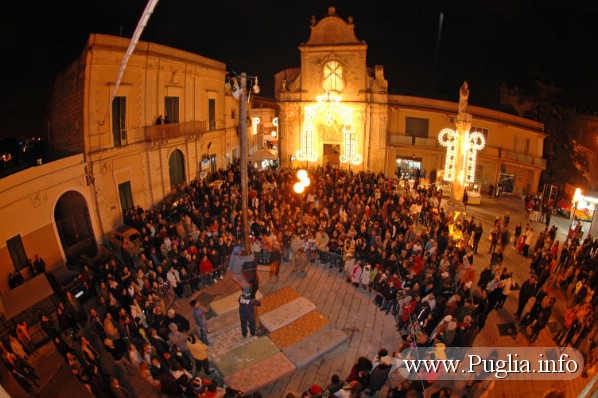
[329, 104]
[350, 155]
[275, 124]
[306, 153]
[448, 138]
[254, 123]
[472, 143]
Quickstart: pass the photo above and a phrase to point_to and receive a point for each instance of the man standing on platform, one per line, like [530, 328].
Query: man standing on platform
[246, 313]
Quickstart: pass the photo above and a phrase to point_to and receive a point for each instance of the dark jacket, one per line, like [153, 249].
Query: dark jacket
[378, 377]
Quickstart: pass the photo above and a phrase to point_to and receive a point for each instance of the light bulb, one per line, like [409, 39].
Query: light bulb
[256, 87]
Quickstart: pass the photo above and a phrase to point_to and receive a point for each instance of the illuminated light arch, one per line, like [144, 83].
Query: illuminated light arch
[448, 139]
[472, 143]
[329, 104]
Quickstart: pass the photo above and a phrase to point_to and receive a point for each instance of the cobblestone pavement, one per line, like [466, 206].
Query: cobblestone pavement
[352, 311]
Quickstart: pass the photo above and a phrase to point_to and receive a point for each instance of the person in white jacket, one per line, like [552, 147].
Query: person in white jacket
[528, 242]
[349, 264]
[365, 277]
[174, 280]
[356, 273]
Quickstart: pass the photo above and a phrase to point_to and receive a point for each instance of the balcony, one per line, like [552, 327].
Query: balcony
[407, 140]
[522, 158]
[161, 133]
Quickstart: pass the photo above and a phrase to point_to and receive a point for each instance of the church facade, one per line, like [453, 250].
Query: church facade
[336, 110]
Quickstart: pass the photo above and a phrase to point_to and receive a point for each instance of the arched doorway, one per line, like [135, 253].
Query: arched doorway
[73, 223]
[176, 165]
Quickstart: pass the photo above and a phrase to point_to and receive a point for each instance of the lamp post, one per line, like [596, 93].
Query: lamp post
[577, 197]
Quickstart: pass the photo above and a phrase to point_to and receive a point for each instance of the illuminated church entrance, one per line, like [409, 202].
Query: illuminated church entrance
[331, 155]
[327, 122]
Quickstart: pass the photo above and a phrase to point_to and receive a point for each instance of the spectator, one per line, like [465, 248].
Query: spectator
[199, 352]
[200, 321]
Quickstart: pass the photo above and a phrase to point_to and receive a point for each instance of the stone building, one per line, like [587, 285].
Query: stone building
[171, 120]
[34, 203]
[334, 109]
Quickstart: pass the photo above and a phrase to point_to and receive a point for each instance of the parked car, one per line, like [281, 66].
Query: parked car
[172, 204]
[126, 233]
[64, 279]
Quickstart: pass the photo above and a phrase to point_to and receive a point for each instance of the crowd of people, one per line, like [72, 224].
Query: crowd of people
[395, 242]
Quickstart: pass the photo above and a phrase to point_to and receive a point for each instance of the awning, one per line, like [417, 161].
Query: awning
[25, 296]
[264, 154]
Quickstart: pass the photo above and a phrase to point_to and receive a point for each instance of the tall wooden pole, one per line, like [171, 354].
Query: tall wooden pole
[244, 176]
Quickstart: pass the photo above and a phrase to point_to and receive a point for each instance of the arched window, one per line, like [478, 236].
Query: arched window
[176, 165]
[333, 76]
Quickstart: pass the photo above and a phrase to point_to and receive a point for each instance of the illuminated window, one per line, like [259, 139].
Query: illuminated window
[333, 76]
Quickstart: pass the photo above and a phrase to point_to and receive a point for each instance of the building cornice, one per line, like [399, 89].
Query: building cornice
[450, 108]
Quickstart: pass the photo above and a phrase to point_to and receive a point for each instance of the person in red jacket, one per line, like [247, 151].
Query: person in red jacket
[408, 307]
[206, 268]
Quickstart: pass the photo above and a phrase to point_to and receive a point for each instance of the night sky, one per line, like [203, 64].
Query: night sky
[484, 42]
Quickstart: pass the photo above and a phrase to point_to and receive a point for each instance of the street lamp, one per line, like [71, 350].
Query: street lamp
[577, 197]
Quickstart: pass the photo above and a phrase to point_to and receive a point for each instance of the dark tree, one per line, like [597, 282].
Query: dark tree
[565, 160]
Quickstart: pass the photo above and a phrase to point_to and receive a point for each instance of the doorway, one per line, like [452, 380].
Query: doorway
[176, 165]
[73, 223]
[408, 168]
[331, 154]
